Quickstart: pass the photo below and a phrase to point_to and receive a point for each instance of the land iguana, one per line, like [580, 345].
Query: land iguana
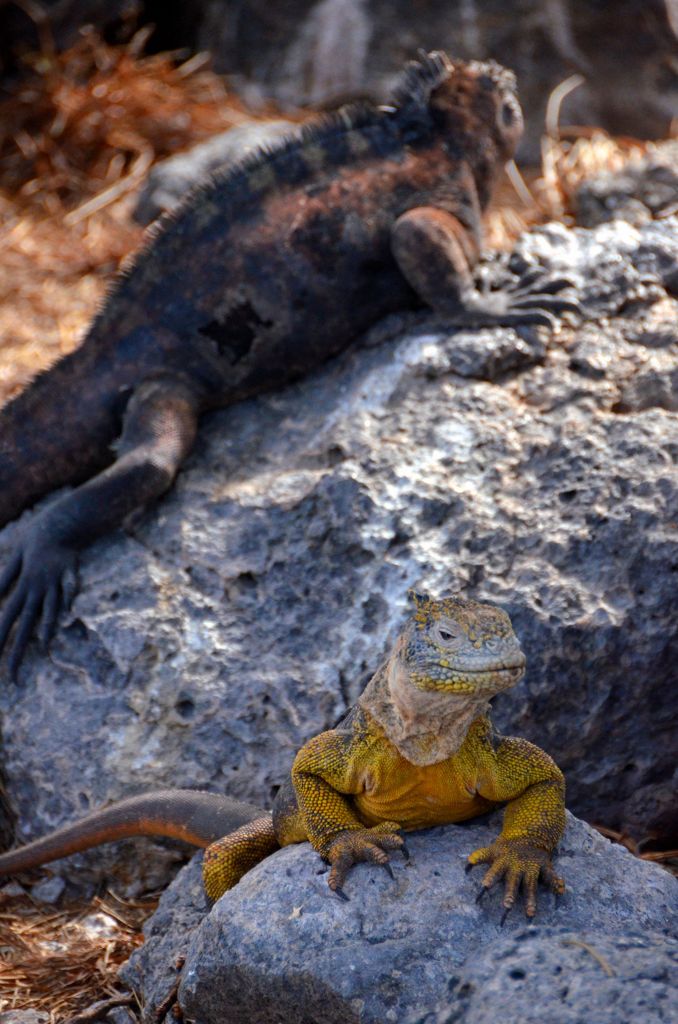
[418, 749]
[265, 271]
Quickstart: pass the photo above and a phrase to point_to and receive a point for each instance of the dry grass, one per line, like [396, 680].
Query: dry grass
[61, 961]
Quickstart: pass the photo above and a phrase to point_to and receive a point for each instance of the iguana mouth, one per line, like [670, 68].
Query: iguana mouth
[479, 678]
[515, 669]
[478, 666]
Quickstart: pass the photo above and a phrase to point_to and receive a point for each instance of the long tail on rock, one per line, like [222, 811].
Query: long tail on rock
[196, 817]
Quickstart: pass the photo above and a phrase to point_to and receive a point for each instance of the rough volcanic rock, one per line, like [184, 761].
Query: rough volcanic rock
[538, 976]
[245, 611]
[645, 188]
[281, 947]
[24, 1017]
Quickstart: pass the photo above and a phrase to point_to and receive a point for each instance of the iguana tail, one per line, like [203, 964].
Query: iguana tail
[197, 818]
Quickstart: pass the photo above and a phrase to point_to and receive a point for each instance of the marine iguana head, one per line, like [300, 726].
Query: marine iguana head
[459, 646]
[478, 98]
[472, 105]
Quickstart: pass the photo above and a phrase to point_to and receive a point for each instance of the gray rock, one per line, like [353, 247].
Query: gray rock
[644, 188]
[154, 969]
[280, 946]
[540, 976]
[49, 890]
[171, 179]
[244, 612]
[120, 1015]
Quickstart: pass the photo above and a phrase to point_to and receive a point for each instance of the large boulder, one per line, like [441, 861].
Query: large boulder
[281, 947]
[245, 611]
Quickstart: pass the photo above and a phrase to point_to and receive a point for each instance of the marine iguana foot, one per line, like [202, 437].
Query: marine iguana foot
[39, 579]
[519, 863]
[352, 846]
[538, 297]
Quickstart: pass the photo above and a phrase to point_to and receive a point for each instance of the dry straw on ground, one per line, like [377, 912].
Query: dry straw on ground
[61, 961]
[76, 138]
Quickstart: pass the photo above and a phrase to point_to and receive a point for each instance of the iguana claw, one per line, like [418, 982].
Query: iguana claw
[520, 864]
[352, 846]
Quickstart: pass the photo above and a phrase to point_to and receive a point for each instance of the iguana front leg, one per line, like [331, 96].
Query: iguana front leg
[158, 430]
[435, 252]
[516, 771]
[325, 772]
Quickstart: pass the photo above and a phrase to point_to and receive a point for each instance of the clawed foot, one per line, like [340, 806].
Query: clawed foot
[538, 297]
[37, 581]
[519, 863]
[365, 844]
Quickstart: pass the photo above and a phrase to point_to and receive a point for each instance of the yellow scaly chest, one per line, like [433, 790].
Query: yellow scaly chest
[417, 796]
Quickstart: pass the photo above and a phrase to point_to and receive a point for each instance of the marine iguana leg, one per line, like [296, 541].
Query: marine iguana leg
[435, 253]
[159, 427]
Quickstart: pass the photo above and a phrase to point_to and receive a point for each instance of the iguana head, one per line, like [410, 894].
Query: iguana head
[459, 646]
[473, 105]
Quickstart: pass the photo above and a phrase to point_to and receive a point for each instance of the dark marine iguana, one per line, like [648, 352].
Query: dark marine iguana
[263, 273]
[418, 749]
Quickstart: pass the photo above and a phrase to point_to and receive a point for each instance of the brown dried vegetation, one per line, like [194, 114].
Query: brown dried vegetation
[76, 138]
[61, 961]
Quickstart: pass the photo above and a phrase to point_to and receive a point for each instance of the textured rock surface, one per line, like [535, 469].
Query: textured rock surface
[23, 1017]
[243, 613]
[280, 947]
[644, 188]
[539, 976]
[171, 179]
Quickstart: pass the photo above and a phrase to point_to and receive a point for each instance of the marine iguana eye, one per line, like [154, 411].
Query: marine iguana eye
[507, 113]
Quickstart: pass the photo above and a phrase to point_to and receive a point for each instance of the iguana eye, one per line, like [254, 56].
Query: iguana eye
[508, 114]
[448, 634]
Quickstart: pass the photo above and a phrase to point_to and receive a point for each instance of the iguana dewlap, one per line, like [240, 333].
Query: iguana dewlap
[417, 750]
[263, 273]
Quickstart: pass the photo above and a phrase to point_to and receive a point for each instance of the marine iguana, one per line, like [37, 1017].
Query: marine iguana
[264, 272]
[418, 749]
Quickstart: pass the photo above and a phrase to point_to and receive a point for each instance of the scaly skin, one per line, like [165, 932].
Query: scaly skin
[356, 789]
[417, 750]
[263, 273]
